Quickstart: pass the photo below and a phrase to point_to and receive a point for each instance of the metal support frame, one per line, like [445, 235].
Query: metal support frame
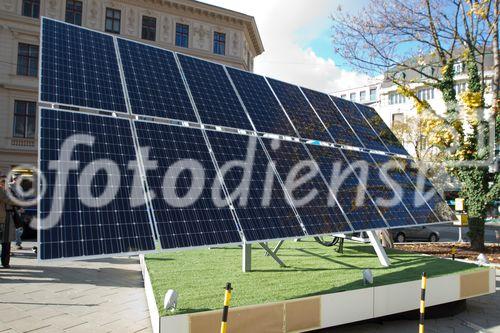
[246, 264]
[272, 254]
[379, 249]
[247, 252]
[276, 248]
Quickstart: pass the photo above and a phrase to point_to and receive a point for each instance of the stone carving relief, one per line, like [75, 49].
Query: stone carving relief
[166, 29]
[201, 36]
[8, 5]
[53, 8]
[93, 13]
[131, 21]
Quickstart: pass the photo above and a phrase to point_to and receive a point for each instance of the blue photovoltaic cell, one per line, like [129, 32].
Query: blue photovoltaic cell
[365, 133]
[419, 210]
[363, 215]
[427, 190]
[96, 216]
[262, 208]
[213, 94]
[394, 212]
[318, 215]
[185, 213]
[265, 111]
[384, 132]
[154, 83]
[298, 109]
[332, 118]
[79, 67]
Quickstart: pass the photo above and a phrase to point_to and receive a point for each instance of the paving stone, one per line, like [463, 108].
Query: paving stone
[72, 296]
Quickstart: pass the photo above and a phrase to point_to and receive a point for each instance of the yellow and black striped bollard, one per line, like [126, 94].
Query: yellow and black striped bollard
[227, 299]
[422, 303]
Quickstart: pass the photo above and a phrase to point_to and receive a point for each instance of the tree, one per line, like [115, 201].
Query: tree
[408, 41]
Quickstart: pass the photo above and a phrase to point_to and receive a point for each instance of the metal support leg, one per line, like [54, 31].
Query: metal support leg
[276, 248]
[382, 256]
[460, 239]
[272, 254]
[247, 258]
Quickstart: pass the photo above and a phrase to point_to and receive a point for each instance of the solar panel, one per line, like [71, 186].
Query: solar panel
[426, 191]
[185, 214]
[392, 208]
[86, 209]
[155, 87]
[293, 164]
[362, 129]
[213, 94]
[265, 111]
[384, 132]
[79, 67]
[298, 109]
[363, 214]
[332, 118]
[262, 208]
[96, 197]
[419, 210]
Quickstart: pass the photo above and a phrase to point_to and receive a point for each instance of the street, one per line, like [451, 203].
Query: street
[449, 233]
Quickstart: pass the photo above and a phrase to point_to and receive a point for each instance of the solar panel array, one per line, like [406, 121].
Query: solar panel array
[193, 153]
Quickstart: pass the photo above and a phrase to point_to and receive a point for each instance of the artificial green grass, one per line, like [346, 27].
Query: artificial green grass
[199, 276]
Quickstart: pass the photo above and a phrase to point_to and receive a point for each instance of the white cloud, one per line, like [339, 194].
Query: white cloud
[284, 27]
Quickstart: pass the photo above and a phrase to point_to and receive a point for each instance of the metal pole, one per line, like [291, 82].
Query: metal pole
[225, 311]
[422, 303]
[246, 265]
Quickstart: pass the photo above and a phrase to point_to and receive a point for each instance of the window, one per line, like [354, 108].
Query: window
[27, 59]
[362, 96]
[74, 12]
[460, 87]
[373, 94]
[31, 8]
[182, 35]
[343, 96]
[425, 94]
[458, 67]
[149, 28]
[113, 19]
[352, 96]
[219, 43]
[24, 119]
[395, 98]
[397, 118]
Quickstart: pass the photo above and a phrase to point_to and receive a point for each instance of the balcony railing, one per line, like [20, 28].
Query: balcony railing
[22, 142]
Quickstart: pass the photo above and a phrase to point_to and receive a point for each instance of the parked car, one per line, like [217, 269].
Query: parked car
[416, 233]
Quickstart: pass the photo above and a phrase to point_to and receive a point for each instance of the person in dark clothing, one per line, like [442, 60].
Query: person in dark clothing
[7, 227]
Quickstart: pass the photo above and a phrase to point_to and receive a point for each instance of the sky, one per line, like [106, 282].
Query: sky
[298, 47]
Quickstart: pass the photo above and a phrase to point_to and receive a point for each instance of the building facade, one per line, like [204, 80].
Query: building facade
[187, 26]
[368, 94]
[381, 93]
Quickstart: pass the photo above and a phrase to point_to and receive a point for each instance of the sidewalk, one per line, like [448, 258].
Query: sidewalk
[104, 295]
